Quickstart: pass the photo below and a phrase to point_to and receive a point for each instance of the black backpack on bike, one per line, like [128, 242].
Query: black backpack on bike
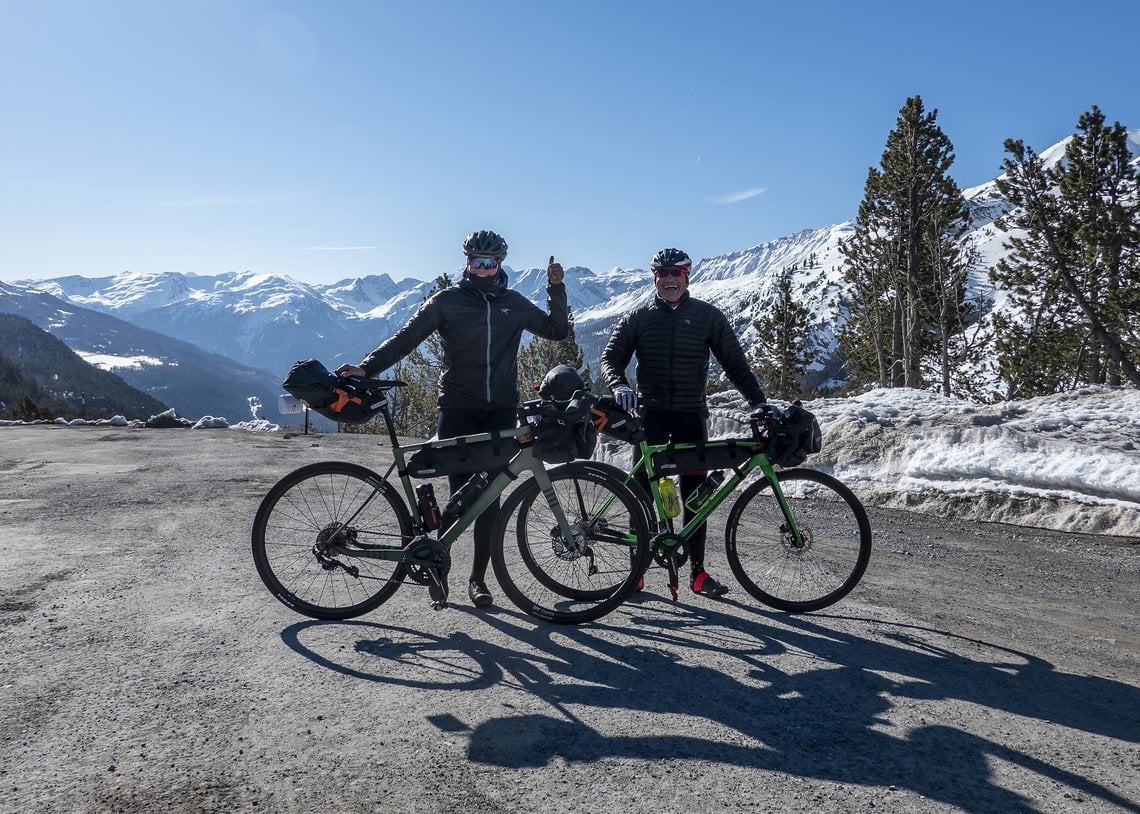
[793, 436]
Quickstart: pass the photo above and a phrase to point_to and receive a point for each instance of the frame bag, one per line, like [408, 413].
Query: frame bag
[459, 456]
[701, 457]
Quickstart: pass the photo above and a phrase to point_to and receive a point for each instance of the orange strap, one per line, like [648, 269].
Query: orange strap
[342, 398]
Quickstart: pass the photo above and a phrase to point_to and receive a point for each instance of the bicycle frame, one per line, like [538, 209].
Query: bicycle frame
[334, 539]
[759, 460]
[523, 461]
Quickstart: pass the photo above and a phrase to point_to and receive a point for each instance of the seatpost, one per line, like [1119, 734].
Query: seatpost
[388, 423]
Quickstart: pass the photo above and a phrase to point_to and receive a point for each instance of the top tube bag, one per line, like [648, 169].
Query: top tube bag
[702, 456]
[465, 455]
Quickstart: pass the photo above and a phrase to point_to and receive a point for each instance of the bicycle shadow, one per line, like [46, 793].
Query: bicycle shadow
[825, 720]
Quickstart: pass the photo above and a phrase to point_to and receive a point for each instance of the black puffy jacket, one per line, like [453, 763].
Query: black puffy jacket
[672, 346]
[480, 330]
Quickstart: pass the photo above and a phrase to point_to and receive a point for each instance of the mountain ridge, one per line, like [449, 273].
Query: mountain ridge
[267, 322]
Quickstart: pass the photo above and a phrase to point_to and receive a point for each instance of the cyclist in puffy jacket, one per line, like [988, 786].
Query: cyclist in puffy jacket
[672, 337]
[480, 323]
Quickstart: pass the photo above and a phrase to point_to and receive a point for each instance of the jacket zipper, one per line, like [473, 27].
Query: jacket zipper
[487, 373]
[672, 355]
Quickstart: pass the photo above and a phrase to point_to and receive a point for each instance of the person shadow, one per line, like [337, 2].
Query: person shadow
[825, 714]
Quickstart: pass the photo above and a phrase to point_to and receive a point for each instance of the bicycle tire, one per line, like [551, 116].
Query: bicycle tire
[570, 583]
[308, 505]
[759, 551]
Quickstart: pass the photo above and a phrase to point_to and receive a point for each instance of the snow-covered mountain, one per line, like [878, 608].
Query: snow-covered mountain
[180, 374]
[268, 322]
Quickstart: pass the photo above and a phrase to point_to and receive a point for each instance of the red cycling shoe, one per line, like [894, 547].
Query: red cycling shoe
[705, 585]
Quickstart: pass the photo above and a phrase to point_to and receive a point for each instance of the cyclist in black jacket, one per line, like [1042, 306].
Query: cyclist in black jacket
[672, 337]
[480, 324]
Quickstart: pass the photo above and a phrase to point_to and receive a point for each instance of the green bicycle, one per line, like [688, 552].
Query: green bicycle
[334, 540]
[797, 540]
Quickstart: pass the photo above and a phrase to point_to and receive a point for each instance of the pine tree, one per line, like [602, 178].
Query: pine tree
[783, 348]
[907, 274]
[867, 335]
[1074, 273]
[540, 355]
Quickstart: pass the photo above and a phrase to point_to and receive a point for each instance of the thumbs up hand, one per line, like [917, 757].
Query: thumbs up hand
[554, 273]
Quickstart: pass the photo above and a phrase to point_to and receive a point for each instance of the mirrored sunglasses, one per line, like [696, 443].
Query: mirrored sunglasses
[672, 271]
[483, 263]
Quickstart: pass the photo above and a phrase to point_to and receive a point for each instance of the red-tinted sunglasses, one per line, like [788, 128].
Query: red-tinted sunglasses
[672, 271]
[483, 263]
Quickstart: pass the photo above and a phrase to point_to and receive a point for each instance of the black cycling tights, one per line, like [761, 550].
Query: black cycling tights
[662, 426]
[453, 422]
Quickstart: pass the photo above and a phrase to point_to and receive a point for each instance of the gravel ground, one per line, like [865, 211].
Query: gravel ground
[978, 667]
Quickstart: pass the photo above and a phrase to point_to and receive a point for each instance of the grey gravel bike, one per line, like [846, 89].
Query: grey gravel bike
[334, 540]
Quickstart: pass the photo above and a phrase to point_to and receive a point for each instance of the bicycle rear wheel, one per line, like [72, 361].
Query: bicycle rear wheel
[837, 536]
[576, 580]
[310, 514]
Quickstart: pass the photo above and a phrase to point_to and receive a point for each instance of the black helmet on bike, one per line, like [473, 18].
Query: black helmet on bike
[671, 258]
[561, 383]
[485, 243]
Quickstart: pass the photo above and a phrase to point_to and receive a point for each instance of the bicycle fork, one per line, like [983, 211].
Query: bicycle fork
[573, 542]
[789, 529]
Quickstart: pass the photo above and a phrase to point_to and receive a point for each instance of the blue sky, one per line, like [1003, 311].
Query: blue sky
[326, 140]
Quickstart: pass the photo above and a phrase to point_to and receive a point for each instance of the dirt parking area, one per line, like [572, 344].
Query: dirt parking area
[978, 667]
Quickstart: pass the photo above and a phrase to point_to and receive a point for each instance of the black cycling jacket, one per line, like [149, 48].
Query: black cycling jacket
[480, 330]
[672, 346]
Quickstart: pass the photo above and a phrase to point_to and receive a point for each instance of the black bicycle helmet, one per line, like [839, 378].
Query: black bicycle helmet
[485, 243]
[561, 383]
[669, 258]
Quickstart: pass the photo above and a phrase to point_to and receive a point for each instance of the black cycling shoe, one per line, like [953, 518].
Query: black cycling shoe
[480, 596]
[705, 585]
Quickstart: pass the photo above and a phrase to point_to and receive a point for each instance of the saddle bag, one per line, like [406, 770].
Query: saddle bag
[346, 401]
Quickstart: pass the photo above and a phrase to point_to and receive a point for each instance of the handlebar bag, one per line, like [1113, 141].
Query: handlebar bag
[563, 434]
[615, 422]
[793, 436]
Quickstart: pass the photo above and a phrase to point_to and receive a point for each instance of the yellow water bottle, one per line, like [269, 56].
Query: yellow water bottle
[669, 497]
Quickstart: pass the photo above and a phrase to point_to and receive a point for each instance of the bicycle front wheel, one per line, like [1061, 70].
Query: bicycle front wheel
[308, 529]
[836, 541]
[585, 577]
